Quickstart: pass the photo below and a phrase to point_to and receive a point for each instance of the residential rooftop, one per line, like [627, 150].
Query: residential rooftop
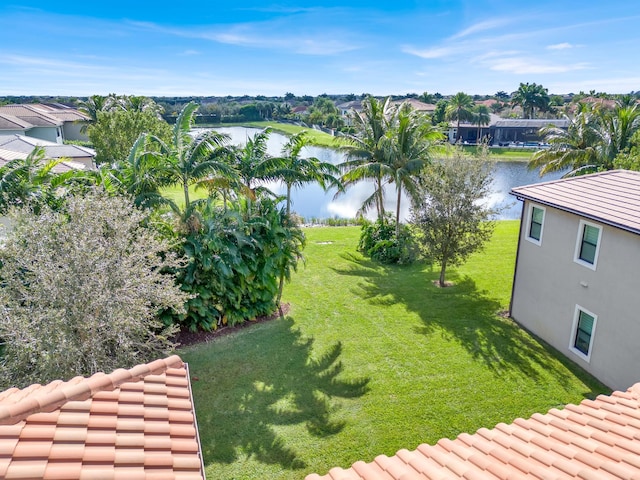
[611, 197]
[597, 439]
[129, 424]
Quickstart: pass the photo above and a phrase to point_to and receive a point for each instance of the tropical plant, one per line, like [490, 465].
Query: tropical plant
[382, 241]
[450, 217]
[460, 109]
[33, 182]
[81, 290]
[254, 164]
[237, 263]
[531, 97]
[481, 117]
[592, 141]
[407, 147]
[295, 171]
[366, 153]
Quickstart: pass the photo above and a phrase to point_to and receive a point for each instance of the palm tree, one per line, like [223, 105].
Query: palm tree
[408, 152]
[188, 159]
[32, 181]
[254, 164]
[591, 143]
[94, 104]
[366, 153]
[460, 108]
[482, 116]
[296, 171]
[529, 97]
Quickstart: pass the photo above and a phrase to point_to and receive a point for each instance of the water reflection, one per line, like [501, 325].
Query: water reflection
[312, 202]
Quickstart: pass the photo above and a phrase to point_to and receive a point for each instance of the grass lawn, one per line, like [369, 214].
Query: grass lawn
[372, 359]
[317, 137]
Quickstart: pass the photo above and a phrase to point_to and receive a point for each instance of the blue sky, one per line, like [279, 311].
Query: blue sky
[273, 47]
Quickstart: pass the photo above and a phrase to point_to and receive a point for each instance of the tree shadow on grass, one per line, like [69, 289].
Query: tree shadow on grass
[464, 314]
[272, 380]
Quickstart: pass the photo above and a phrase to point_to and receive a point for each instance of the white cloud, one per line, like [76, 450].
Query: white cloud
[481, 27]
[532, 66]
[560, 46]
[429, 53]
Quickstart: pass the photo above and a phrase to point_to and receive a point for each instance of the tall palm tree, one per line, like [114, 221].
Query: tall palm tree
[529, 97]
[366, 152]
[296, 171]
[481, 117]
[408, 147]
[459, 108]
[591, 143]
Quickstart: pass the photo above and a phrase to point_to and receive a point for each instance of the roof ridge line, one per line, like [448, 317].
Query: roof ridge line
[83, 389]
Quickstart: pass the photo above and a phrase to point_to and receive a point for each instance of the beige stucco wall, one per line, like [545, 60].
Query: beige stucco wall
[549, 285]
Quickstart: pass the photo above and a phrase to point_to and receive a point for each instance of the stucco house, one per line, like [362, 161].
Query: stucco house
[19, 146]
[577, 269]
[46, 122]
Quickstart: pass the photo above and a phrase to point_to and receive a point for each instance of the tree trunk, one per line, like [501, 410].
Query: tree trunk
[443, 267]
[379, 199]
[398, 212]
[185, 187]
[288, 199]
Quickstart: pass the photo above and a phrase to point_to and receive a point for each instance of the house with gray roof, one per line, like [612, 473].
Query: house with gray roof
[54, 124]
[577, 266]
[505, 131]
[20, 146]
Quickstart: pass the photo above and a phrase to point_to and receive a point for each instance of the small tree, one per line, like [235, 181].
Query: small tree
[80, 291]
[450, 217]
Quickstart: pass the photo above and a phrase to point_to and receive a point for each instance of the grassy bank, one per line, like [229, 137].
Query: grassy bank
[371, 359]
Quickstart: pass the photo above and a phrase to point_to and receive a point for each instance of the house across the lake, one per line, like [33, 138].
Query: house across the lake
[505, 131]
[578, 268]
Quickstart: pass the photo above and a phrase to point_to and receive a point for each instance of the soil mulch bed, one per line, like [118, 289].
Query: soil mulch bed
[186, 338]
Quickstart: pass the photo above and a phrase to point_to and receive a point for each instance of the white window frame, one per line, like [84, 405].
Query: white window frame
[574, 333]
[528, 225]
[576, 255]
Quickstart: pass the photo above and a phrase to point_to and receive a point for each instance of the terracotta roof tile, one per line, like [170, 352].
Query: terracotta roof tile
[129, 424]
[598, 439]
[611, 197]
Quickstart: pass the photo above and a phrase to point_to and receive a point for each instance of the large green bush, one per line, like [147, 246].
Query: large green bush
[378, 240]
[235, 263]
[80, 291]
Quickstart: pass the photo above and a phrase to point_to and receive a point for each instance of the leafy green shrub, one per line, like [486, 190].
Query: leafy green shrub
[235, 264]
[378, 241]
[81, 289]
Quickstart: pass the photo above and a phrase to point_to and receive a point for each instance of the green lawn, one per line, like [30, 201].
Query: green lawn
[370, 360]
[317, 137]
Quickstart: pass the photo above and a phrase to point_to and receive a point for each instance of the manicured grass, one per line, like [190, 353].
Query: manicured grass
[503, 154]
[372, 359]
[317, 137]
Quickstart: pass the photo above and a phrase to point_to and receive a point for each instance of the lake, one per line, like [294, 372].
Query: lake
[312, 202]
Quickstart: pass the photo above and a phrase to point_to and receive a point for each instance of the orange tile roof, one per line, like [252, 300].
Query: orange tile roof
[129, 424]
[597, 439]
[611, 197]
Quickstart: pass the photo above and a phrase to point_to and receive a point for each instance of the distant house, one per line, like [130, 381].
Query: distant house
[20, 146]
[46, 122]
[130, 424]
[577, 269]
[597, 439]
[505, 131]
[417, 105]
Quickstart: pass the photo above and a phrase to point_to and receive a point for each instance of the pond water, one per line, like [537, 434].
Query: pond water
[312, 202]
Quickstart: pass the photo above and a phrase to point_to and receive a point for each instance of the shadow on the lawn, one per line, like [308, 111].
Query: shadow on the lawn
[462, 313]
[277, 382]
